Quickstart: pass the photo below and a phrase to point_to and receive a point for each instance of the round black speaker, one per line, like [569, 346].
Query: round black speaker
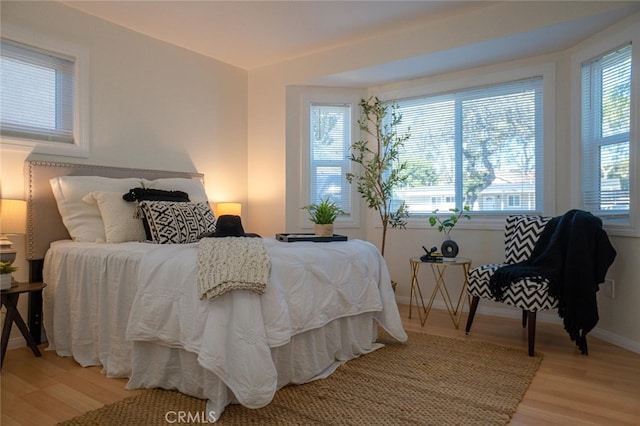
[449, 248]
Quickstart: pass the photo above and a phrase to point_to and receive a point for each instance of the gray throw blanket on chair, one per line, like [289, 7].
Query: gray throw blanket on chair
[573, 253]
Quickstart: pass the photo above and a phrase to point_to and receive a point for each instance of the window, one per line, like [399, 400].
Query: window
[481, 147]
[37, 94]
[606, 113]
[330, 143]
[42, 97]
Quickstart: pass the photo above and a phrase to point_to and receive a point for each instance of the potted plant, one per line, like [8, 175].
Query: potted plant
[5, 275]
[449, 247]
[380, 169]
[446, 224]
[323, 215]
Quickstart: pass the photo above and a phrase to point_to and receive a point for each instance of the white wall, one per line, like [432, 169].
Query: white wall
[273, 168]
[152, 105]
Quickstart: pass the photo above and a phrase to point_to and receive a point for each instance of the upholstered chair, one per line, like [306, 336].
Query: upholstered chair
[521, 234]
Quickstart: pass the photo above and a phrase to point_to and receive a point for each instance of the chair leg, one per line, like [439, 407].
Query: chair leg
[586, 348]
[472, 313]
[531, 331]
[524, 318]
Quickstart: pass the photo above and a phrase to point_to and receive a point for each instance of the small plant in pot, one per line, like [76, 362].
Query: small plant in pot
[5, 275]
[323, 214]
[445, 224]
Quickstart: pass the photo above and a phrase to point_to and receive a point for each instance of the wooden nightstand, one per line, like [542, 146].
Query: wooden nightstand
[10, 300]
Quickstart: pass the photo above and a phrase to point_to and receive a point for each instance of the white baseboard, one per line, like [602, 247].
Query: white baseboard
[16, 342]
[550, 317]
[614, 339]
[19, 342]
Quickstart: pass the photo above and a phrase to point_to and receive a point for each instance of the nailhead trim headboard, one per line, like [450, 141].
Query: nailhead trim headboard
[44, 224]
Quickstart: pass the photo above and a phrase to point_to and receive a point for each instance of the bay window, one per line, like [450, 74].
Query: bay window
[605, 133]
[479, 147]
[330, 142]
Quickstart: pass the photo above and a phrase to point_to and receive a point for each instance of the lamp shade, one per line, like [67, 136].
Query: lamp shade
[13, 216]
[228, 208]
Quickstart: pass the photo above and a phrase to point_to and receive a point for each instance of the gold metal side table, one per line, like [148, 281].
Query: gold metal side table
[438, 269]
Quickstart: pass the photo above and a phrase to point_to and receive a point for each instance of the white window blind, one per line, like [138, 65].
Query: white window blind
[480, 147]
[36, 93]
[606, 112]
[330, 143]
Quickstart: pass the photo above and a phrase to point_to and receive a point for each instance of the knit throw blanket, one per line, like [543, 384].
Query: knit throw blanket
[573, 253]
[232, 263]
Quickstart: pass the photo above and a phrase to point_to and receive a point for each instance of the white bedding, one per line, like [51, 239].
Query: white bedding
[91, 303]
[88, 299]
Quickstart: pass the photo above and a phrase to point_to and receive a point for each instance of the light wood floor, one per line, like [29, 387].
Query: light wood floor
[568, 389]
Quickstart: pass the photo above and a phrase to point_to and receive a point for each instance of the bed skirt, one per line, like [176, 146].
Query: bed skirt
[309, 356]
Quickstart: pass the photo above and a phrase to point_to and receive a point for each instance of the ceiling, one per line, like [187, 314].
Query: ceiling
[253, 34]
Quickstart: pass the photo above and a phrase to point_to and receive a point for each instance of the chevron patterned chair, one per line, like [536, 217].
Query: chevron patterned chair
[521, 234]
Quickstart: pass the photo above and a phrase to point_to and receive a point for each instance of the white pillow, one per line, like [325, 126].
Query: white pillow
[82, 220]
[118, 216]
[193, 187]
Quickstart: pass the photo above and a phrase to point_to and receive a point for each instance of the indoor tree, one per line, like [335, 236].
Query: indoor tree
[377, 154]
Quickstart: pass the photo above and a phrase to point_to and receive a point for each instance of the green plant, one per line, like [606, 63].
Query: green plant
[381, 171]
[447, 224]
[323, 213]
[6, 268]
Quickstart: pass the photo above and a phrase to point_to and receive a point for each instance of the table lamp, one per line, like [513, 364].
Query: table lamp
[234, 209]
[13, 220]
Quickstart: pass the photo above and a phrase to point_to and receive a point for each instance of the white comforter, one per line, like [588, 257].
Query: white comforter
[98, 293]
[311, 284]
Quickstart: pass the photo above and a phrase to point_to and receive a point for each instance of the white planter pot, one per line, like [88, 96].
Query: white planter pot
[5, 281]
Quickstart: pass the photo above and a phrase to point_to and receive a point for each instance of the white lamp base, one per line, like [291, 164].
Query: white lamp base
[7, 252]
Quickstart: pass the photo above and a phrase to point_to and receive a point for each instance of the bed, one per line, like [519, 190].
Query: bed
[135, 307]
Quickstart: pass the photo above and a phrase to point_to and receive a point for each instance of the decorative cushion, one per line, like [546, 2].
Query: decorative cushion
[530, 296]
[193, 187]
[146, 194]
[142, 194]
[118, 216]
[177, 222]
[520, 236]
[523, 294]
[83, 220]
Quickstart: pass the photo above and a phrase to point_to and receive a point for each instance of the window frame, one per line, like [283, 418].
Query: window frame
[547, 71]
[589, 51]
[351, 220]
[80, 145]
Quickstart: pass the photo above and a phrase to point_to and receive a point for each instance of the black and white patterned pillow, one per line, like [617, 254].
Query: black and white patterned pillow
[177, 222]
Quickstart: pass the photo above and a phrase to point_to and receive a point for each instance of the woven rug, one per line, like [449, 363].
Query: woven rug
[430, 380]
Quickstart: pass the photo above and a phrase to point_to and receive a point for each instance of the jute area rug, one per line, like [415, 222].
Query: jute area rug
[430, 380]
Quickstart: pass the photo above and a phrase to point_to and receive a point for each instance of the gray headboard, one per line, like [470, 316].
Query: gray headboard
[44, 224]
